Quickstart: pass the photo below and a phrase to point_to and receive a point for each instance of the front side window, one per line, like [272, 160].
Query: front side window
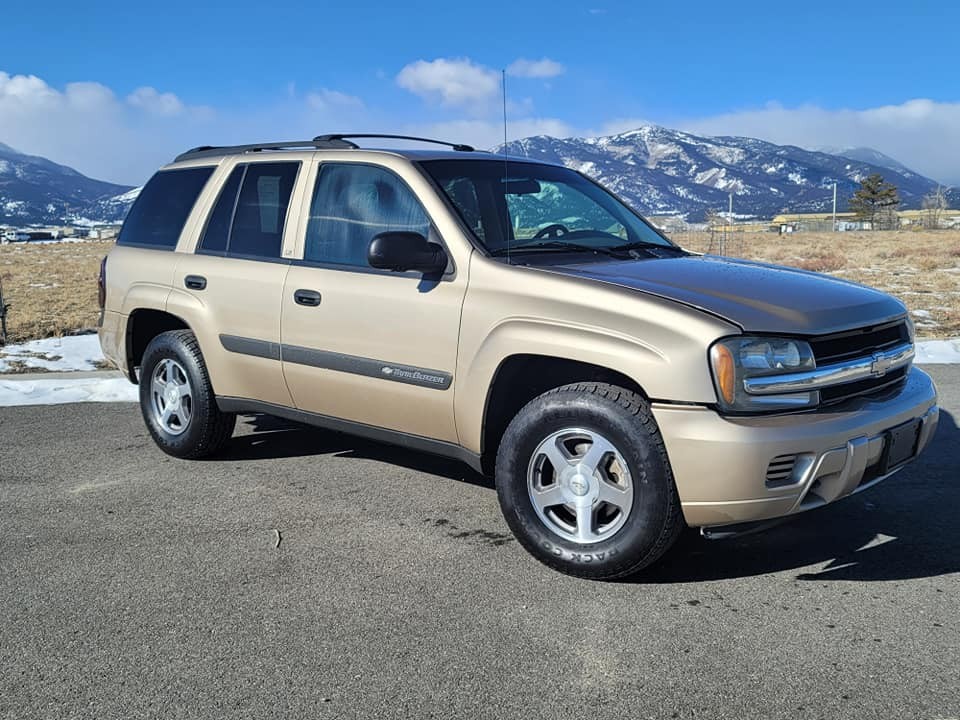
[531, 206]
[260, 212]
[351, 204]
[162, 207]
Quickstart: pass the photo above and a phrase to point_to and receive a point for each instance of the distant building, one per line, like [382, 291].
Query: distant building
[103, 232]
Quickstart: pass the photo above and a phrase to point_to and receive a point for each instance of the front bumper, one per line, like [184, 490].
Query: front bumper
[721, 464]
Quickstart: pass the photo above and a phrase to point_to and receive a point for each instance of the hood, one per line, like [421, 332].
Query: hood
[757, 297]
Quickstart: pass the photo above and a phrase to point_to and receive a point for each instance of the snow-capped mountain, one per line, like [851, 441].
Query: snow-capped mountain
[871, 156]
[658, 170]
[668, 172]
[111, 209]
[34, 190]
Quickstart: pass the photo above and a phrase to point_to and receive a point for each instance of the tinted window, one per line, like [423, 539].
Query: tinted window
[218, 226]
[529, 204]
[160, 211]
[351, 204]
[262, 209]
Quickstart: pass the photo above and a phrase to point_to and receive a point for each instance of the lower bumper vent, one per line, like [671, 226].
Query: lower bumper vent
[780, 470]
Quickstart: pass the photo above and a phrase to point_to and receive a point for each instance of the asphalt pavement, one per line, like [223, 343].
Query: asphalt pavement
[305, 574]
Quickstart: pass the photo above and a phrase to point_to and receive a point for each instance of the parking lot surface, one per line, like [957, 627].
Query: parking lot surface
[136, 585]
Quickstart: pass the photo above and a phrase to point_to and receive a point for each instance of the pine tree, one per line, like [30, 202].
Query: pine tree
[876, 202]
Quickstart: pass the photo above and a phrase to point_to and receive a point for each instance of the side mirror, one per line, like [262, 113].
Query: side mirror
[402, 251]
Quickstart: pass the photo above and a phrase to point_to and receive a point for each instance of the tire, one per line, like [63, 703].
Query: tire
[195, 427]
[634, 473]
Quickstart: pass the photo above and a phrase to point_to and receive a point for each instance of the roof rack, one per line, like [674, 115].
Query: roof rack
[338, 137]
[214, 150]
[320, 142]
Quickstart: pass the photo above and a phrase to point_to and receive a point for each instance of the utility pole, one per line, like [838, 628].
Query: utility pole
[3, 317]
[834, 226]
[726, 225]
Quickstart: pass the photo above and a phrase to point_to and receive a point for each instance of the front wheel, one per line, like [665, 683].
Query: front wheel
[585, 484]
[177, 399]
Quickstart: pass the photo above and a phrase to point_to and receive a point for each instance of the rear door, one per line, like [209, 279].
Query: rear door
[234, 280]
[366, 345]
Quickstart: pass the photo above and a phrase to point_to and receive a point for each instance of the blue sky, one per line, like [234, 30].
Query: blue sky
[115, 88]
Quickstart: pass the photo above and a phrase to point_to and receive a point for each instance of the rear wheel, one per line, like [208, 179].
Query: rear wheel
[177, 399]
[585, 484]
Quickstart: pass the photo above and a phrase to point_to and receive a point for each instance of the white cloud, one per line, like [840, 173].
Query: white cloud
[543, 68]
[454, 82]
[154, 102]
[923, 134]
[325, 99]
[88, 127]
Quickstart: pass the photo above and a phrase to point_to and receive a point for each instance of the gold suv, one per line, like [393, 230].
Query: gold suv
[517, 316]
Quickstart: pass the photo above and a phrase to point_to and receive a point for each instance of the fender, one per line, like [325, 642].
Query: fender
[619, 352]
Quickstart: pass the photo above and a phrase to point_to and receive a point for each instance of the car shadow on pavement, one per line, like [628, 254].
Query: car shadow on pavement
[906, 527]
[274, 437]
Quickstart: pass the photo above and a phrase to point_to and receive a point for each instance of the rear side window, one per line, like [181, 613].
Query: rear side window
[351, 204]
[217, 232]
[160, 211]
[261, 210]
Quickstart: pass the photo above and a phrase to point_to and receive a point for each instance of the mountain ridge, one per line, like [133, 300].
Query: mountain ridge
[672, 172]
[38, 191]
[658, 170]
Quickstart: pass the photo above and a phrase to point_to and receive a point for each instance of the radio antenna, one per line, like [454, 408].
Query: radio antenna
[506, 229]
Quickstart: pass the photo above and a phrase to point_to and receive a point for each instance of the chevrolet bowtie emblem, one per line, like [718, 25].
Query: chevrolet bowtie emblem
[880, 365]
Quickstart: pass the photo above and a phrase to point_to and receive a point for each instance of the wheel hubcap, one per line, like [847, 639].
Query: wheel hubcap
[580, 485]
[171, 397]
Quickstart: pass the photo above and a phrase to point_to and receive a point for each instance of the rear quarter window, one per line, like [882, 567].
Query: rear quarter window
[160, 211]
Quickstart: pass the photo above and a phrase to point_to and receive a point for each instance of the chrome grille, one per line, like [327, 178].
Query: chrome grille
[829, 349]
[860, 343]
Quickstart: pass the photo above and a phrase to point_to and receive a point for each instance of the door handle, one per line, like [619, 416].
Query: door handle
[310, 298]
[195, 282]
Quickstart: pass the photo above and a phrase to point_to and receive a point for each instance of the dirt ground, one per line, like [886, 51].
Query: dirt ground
[52, 288]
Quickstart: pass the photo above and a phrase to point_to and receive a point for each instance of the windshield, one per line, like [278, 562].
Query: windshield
[528, 206]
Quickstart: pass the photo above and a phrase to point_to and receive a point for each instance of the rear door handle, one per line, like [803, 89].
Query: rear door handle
[310, 298]
[195, 282]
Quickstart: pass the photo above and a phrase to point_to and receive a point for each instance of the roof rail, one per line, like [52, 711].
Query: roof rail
[320, 142]
[216, 150]
[338, 137]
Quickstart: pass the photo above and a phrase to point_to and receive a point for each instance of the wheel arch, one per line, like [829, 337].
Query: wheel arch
[521, 377]
[143, 325]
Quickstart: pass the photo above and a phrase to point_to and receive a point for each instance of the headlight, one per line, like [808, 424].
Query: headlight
[737, 358]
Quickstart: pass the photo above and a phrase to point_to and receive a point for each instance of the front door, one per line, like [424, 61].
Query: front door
[365, 345]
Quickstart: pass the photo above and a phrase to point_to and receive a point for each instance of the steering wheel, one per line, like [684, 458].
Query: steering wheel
[554, 230]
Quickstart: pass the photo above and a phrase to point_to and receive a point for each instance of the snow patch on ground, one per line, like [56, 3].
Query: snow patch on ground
[68, 390]
[938, 351]
[75, 352]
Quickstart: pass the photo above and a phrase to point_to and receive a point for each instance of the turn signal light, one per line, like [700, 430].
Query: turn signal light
[725, 371]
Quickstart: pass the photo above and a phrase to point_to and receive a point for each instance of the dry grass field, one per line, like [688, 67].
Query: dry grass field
[52, 288]
[922, 268]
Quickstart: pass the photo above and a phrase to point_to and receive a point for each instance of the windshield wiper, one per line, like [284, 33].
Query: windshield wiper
[557, 245]
[644, 245]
